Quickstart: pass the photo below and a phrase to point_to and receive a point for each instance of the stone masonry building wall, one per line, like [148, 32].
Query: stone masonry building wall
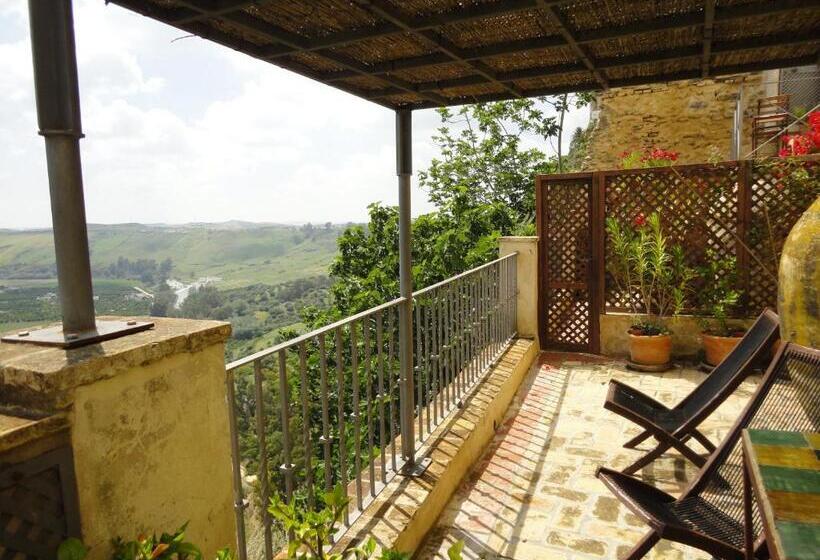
[692, 117]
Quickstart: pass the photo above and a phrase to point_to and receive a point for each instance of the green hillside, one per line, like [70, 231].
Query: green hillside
[240, 254]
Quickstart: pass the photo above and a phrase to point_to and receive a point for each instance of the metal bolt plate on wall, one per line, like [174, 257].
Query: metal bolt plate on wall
[417, 469]
[54, 336]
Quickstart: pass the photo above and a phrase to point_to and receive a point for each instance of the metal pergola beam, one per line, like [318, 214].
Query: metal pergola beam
[444, 45]
[666, 23]
[659, 78]
[285, 37]
[207, 32]
[680, 53]
[211, 8]
[568, 34]
[708, 34]
[423, 23]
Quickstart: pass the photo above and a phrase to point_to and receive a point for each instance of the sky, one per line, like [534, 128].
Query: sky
[181, 130]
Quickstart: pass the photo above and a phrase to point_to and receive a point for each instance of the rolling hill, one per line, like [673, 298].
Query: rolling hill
[240, 254]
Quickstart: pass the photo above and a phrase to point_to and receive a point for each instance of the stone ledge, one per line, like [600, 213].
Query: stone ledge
[42, 378]
[402, 514]
[16, 430]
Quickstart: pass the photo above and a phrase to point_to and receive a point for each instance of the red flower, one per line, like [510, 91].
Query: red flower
[640, 220]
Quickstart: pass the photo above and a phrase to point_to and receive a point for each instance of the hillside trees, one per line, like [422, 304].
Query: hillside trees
[482, 186]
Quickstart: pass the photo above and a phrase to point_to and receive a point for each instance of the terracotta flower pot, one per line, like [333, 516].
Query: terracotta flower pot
[718, 347]
[650, 350]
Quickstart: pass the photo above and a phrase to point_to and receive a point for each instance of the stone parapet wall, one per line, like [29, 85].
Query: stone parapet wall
[692, 117]
[142, 420]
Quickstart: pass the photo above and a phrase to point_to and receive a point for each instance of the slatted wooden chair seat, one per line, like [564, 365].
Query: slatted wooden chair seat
[709, 514]
[674, 427]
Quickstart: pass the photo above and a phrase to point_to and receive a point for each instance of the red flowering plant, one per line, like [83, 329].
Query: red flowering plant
[805, 143]
[797, 182]
[648, 157]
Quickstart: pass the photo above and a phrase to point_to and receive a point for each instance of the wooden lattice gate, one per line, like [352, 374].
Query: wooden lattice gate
[568, 213]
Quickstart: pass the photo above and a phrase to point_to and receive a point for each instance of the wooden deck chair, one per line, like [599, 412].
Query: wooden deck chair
[709, 515]
[674, 427]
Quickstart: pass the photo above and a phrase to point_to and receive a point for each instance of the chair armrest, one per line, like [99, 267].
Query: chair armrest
[620, 394]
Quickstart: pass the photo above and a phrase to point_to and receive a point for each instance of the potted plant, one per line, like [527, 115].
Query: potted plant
[654, 277]
[716, 299]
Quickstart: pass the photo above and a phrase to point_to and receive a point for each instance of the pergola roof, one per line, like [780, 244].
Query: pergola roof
[426, 53]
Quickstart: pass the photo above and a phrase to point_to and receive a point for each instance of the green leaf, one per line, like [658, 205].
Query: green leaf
[454, 552]
[72, 549]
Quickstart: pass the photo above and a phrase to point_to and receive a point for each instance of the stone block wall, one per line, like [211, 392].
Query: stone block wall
[693, 117]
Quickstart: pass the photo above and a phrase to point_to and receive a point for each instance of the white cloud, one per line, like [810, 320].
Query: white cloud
[185, 130]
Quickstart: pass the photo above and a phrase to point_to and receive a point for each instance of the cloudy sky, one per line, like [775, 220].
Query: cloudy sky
[180, 130]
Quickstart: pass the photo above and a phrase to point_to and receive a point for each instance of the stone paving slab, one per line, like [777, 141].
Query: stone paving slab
[533, 494]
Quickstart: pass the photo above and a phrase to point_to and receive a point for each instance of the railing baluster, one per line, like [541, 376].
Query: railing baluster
[440, 354]
[455, 343]
[306, 440]
[381, 396]
[427, 363]
[444, 354]
[368, 385]
[325, 439]
[238, 493]
[419, 369]
[473, 330]
[462, 346]
[392, 382]
[264, 486]
[340, 420]
[284, 400]
[357, 427]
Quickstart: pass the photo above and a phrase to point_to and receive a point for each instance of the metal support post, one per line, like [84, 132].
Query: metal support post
[404, 169]
[58, 116]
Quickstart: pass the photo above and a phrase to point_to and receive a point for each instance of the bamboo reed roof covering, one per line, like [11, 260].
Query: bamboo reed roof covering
[427, 53]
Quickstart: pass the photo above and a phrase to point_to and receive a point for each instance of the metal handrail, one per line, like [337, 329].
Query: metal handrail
[464, 274]
[312, 334]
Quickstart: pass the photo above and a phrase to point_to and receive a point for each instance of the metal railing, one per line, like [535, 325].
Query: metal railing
[461, 326]
[323, 408]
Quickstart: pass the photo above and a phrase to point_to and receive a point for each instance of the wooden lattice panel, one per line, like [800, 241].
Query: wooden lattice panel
[775, 206]
[37, 506]
[698, 208]
[567, 241]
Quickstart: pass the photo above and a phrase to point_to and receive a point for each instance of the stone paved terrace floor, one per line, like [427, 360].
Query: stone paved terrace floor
[534, 495]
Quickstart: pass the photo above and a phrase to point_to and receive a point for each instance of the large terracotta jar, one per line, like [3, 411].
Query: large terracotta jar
[798, 297]
[716, 348]
[654, 351]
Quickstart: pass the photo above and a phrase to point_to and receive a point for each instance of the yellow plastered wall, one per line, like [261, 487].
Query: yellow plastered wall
[152, 451]
[686, 334]
[527, 280]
